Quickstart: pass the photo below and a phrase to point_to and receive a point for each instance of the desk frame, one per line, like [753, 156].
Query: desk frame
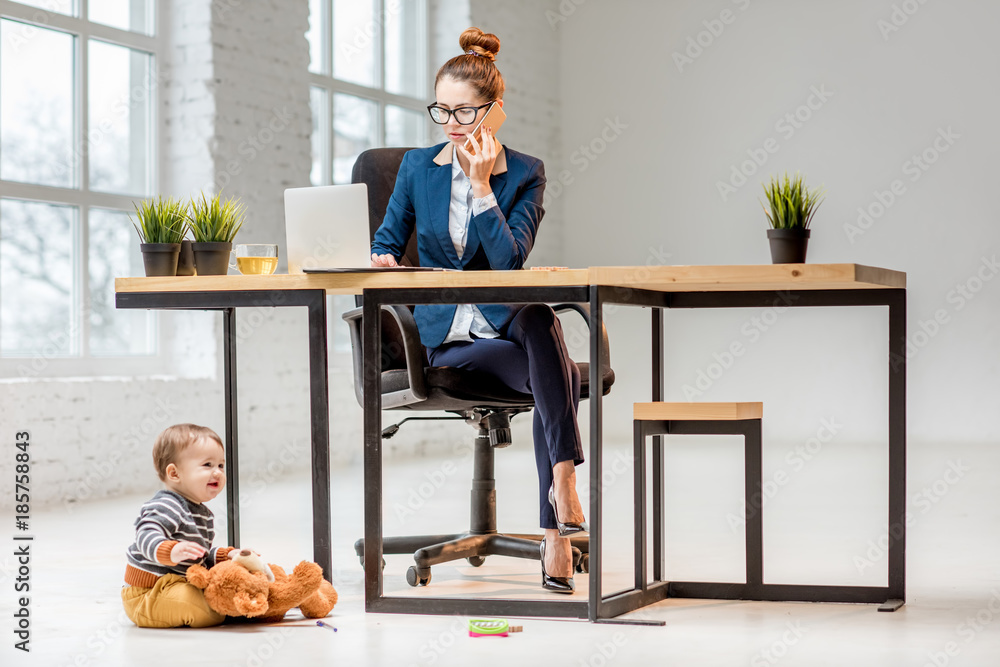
[890, 597]
[311, 293]
[319, 408]
[375, 600]
[599, 607]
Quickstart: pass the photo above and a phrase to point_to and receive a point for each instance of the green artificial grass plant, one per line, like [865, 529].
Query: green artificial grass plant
[161, 220]
[791, 204]
[214, 220]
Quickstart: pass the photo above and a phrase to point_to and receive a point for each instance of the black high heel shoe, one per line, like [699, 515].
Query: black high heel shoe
[568, 528]
[555, 584]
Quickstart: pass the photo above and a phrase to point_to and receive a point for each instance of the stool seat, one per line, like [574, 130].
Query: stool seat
[697, 411]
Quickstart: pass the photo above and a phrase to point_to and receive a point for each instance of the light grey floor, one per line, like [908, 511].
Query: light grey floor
[819, 528]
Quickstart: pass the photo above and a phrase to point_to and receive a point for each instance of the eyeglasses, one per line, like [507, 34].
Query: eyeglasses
[463, 115]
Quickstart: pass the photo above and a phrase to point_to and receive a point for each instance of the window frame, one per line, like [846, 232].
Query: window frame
[377, 93]
[83, 199]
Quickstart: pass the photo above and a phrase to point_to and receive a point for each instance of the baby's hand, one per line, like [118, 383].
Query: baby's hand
[183, 551]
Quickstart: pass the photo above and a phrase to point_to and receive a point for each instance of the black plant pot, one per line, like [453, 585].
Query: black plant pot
[211, 258]
[788, 246]
[185, 261]
[160, 259]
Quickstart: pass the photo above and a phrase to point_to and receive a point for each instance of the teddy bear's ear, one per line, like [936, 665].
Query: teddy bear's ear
[198, 576]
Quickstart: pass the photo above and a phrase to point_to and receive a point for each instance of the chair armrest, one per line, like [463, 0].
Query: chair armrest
[413, 352]
[584, 310]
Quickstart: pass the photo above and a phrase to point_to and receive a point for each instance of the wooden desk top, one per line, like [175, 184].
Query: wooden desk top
[748, 278]
[661, 278]
[354, 283]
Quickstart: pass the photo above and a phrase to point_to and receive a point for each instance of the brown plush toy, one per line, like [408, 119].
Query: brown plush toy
[240, 587]
[305, 588]
[231, 589]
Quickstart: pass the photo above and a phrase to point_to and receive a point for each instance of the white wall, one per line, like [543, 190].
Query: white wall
[235, 109]
[651, 195]
[529, 62]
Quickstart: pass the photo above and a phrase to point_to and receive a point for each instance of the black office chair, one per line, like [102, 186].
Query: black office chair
[408, 383]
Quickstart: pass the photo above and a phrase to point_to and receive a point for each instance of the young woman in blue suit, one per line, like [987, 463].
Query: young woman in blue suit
[479, 208]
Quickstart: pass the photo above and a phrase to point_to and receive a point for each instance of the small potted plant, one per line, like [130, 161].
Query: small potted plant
[161, 224]
[214, 224]
[790, 208]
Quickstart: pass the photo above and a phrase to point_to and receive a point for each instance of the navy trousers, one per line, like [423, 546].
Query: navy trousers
[531, 357]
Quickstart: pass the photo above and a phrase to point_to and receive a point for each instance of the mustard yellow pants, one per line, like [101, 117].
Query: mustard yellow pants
[171, 603]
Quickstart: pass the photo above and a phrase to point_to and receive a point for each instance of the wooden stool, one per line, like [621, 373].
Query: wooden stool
[654, 419]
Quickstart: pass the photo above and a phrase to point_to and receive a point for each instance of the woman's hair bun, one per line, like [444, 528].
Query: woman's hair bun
[483, 43]
[478, 69]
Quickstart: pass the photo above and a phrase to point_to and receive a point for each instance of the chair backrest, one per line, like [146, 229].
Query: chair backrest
[377, 168]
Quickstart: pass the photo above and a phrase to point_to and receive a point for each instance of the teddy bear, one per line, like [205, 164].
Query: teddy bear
[240, 586]
[231, 589]
[290, 591]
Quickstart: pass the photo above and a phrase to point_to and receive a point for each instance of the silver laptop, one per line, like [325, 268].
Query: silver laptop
[326, 230]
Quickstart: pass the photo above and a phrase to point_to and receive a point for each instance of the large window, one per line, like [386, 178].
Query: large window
[77, 147]
[368, 64]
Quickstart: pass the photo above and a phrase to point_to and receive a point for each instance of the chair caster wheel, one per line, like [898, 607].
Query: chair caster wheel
[476, 561]
[413, 579]
[583, 566]
[362, 559]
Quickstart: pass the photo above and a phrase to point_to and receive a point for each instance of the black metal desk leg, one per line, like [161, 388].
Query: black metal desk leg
[371, 345]
[319, 410]
[657, 461]
[639, 512]
[753, 467]
[232, 462]
[897, 451]
[596, 429]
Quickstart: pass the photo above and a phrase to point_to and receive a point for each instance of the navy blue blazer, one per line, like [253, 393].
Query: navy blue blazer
[499, 238]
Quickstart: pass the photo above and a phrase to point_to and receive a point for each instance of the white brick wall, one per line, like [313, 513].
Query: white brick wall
[236, 116]
[91, 438]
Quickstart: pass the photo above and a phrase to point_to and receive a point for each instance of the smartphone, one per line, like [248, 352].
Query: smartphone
[494, 117]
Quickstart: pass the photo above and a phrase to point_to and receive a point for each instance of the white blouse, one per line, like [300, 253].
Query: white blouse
[468, 320]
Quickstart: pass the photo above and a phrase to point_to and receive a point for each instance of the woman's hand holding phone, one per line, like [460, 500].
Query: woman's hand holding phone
[481, 158]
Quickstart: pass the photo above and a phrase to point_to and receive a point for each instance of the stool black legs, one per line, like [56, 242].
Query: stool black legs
[750, 429]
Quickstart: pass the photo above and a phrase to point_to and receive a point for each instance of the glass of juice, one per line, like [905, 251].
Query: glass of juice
[256, 259]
